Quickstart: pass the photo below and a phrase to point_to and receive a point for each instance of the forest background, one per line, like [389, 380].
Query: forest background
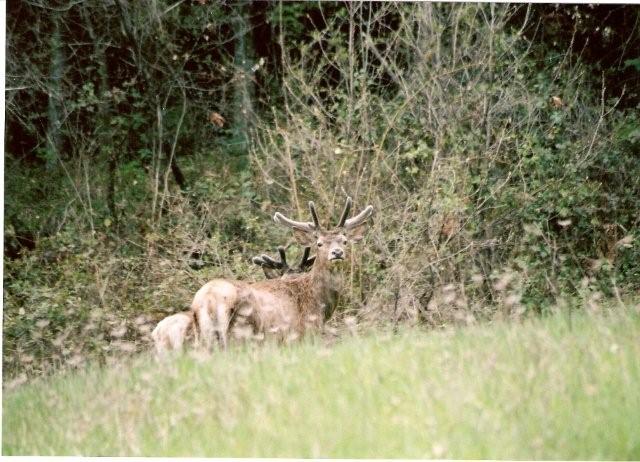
[148, 143]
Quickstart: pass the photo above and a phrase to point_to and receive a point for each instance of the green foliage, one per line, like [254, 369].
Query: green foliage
[94, 296]
[504, 176]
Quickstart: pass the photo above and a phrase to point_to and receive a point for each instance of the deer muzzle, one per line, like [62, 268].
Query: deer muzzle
[336, 254]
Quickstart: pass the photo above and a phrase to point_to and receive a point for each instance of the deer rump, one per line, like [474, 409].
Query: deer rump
[175, 330]
[265, 309]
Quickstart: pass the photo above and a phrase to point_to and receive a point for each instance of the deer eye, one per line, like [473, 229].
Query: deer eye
[319, 244]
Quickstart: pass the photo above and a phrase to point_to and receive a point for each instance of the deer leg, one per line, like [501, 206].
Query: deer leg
[222, 315]
[194, 333]
[177, 339]
[206, 326]
[159, 343]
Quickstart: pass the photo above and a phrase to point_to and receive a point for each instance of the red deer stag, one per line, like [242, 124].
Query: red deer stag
[173, 331]
[283, 308]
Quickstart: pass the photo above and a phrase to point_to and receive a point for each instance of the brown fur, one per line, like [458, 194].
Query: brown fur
[174, 331]
[280, 308]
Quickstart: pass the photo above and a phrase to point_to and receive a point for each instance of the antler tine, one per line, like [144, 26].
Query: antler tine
[309, 262]
[314, 215]
[345, 212]
[258, 261]
[283, 256]
[305, 256]
[359, 218]
[271, 263]
[303, 225]
[306, 262]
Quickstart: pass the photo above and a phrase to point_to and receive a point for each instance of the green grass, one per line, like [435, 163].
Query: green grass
[561, 388]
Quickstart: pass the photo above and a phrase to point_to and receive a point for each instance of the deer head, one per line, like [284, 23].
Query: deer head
[280, 268]
[331, 245]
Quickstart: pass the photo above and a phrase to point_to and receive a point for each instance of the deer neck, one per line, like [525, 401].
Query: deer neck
[325, 279]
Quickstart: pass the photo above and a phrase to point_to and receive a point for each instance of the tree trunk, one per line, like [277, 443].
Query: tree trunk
[243, 81]
[54, 119]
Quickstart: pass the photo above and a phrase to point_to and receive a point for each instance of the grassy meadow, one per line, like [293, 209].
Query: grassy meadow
[560, 387]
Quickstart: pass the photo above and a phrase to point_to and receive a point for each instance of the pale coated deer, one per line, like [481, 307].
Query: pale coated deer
[284, 308]
[173, 331]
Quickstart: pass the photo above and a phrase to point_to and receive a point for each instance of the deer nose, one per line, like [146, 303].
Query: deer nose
[337, 253]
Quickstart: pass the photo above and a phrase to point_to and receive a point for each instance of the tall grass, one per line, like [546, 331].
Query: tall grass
[563, 387]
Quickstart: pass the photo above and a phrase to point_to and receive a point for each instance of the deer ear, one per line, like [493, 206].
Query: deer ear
[303, 237]
[356, 234]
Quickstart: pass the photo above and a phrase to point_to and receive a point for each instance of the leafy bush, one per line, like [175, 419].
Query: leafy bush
[503, 171]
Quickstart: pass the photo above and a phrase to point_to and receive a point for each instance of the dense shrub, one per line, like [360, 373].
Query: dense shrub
[491, 165]
[503, 171]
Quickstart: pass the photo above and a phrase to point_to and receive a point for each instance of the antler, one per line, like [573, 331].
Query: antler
[314, 215]
[283, 256]
[345, 212]
[358, 219]
[315, 226]
[302, 225]
[266, 263]
[306, 262]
